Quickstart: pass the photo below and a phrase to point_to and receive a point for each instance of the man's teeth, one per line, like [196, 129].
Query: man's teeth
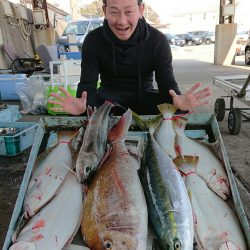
[123, 29]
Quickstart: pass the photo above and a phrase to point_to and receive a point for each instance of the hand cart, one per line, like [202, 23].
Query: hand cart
[237, 87]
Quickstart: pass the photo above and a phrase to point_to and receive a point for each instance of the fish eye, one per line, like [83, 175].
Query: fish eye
[177, 245]
[107, 245]
[87, 169]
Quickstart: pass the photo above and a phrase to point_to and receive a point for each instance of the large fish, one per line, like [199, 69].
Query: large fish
[115, 211]
[167, 198]
[209, 167]
[94, 143]
[49, 173]
[54, 225]
[216, 226]
[165, 133]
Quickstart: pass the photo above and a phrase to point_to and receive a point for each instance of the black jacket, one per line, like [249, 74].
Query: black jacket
[126, 67]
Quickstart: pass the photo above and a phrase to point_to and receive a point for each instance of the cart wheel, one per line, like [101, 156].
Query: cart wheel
[219, 109]
[234, 121]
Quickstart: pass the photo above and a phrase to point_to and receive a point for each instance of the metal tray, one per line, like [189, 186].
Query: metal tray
[198, 126]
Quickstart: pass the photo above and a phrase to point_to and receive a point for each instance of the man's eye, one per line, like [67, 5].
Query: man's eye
[129, 12]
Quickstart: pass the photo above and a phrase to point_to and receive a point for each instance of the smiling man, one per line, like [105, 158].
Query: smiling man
[126, 51]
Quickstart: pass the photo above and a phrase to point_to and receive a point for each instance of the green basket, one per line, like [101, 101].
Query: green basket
[55, 89]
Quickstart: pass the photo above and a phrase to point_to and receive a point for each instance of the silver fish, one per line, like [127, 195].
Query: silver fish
[94, 143]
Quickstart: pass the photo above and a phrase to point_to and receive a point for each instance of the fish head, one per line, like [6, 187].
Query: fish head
[86, 166]
[120, 240]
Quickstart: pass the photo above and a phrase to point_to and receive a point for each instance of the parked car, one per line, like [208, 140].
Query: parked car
[207, 37]
[247, 50]
[80, 29]
[190, 39]
[175, 40]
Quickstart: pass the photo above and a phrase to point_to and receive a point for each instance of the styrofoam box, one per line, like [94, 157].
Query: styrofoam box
[23, 139]
[7, 85]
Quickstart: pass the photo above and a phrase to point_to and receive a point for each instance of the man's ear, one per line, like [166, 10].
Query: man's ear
[141, 9]
[104, 9]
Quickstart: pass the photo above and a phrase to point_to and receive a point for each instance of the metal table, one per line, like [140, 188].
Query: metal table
[238, 87]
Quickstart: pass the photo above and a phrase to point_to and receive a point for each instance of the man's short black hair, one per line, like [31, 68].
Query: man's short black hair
[105, 2]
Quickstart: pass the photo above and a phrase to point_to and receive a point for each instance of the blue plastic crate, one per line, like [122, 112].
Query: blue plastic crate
[15, 144]
[10, 114]
[7, 85]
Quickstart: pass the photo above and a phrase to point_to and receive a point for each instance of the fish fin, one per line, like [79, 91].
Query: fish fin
[120, 129]
[167, 109]
[186, 159]
[147, 125]
[106, 155]
[90, 111]
[76, 142]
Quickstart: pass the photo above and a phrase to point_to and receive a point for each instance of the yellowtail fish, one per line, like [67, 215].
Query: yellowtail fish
[168, 203]
[216, 226]
[115, 212]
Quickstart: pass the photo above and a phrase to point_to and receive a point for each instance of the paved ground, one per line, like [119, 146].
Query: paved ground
[191, 64]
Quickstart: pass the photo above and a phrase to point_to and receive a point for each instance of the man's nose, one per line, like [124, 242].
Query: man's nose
[122, 18]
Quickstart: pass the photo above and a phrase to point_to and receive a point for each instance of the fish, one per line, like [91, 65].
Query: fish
[94, 143]
[216, 226]
[209, 167]
[167, 199]
[165, 133]
[55, 225]
[50, 170]
[115, 211]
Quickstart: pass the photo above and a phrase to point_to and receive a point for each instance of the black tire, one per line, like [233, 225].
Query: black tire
[234, 121]
[219, 109]
[247, 56]
[208, 41]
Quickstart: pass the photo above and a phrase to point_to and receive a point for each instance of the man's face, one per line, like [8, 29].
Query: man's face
[123, 16]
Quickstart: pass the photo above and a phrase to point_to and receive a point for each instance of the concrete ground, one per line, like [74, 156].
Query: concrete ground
[191, 64]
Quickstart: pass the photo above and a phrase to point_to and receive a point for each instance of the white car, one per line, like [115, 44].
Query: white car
[247, 50]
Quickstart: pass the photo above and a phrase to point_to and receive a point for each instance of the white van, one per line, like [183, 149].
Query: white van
[80, 29]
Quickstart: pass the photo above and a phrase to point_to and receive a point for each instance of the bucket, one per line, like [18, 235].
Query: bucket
[11, 140]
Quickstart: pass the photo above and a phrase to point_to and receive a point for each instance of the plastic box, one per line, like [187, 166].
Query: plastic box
[15, 144]
[10, 114]
[68, 76]
[7, 86]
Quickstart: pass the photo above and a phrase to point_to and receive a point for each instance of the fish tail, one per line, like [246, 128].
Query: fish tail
[167, 109]
[147, 125]
[119, 130]
[186, 159]
[180, 123]
[66, 136]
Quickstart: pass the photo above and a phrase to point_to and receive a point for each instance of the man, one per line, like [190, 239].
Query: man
[126, 52]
